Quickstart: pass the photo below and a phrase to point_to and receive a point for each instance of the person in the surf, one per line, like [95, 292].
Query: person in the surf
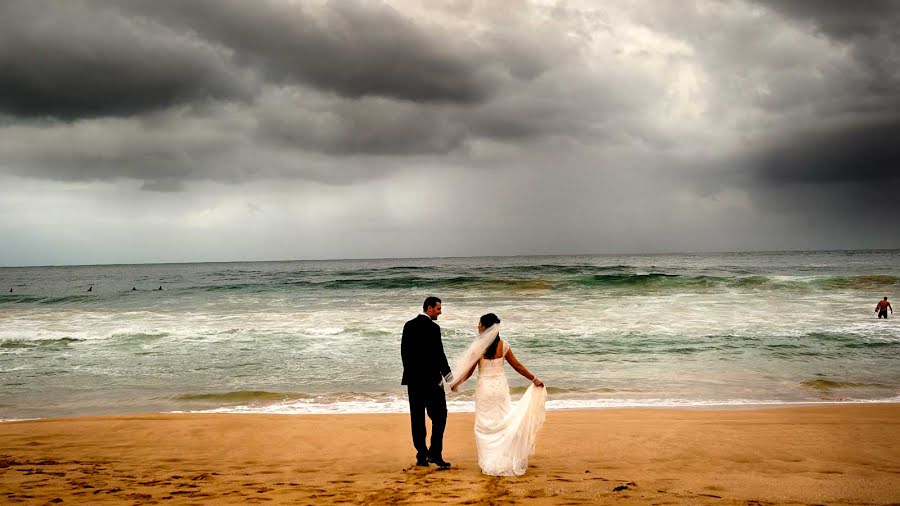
[882, 308]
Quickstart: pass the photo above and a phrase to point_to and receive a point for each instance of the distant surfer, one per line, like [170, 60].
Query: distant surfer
[882, 308]
[90, 288]
[133, 288]
[159, 289]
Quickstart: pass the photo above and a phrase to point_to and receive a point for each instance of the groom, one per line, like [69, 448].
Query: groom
[424, 367]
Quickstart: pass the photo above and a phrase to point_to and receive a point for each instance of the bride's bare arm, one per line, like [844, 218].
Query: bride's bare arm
[521, 369]
[460, 381]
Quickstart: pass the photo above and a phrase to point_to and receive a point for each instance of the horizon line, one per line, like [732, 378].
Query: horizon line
[453, 257]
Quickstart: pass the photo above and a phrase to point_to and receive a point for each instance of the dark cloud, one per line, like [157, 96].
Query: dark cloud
[343, 79]
[848, 136]
[842, 153]
[870, 29]
[225, 143]
[352, 48]
[711, 116]
[580, 108]
[376, 126]
[166, 148]
[79, 59]
[839, 18]
[162, 185]
[56, 62]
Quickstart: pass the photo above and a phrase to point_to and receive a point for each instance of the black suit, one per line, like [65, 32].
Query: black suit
[424, 366]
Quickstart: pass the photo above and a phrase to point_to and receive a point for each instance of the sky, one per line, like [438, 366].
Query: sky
[227, 130]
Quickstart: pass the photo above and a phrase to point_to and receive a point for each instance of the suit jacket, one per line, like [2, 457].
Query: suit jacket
[424, 362]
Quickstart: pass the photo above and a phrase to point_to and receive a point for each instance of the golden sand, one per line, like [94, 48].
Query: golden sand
[804, 455]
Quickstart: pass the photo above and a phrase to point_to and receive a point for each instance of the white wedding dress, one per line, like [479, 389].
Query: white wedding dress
[505, 434]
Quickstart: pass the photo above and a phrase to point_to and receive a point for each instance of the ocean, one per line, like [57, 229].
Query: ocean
[693, 330]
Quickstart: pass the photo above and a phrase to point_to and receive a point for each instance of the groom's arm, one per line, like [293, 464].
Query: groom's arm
[407, 346]
[403, 345]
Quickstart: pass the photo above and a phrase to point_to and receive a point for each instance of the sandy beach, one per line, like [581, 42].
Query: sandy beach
[817, 454]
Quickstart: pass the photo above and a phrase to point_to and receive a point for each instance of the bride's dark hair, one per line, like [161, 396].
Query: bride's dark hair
[486, 321]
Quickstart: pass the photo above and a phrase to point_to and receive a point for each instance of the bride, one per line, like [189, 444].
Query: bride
[504, 434]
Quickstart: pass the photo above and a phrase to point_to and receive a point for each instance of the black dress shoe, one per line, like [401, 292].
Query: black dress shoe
[441, 463]
[422, 463]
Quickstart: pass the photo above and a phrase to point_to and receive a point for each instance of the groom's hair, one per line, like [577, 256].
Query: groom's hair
[430, 302]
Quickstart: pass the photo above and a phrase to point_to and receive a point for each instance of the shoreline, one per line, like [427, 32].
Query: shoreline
[261, 410]
[836, 453]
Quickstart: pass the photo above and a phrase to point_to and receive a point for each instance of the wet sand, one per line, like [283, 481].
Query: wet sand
[836, 454]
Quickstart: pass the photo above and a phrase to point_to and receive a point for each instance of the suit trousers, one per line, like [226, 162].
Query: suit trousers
[430, 399]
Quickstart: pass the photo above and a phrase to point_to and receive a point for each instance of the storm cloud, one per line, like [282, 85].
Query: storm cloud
[627, 126]
[352, 48]
[77, 59]
[850, 134]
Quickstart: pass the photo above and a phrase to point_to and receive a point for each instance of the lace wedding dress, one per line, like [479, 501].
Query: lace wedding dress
[505, 434]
